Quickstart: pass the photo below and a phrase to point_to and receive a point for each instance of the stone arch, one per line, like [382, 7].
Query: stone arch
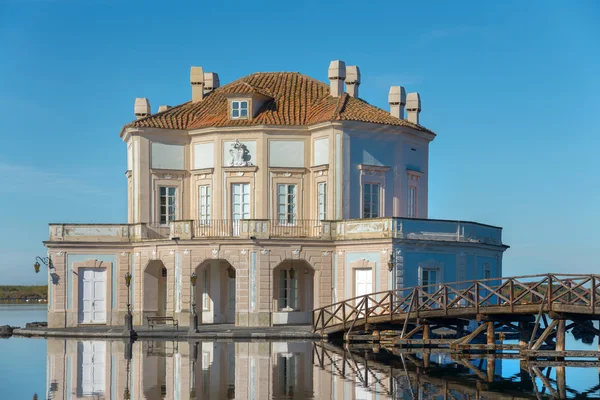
[293, 292]
[155, 289]
[216, 291]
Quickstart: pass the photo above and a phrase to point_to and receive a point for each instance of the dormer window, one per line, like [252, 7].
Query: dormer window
[239, 109]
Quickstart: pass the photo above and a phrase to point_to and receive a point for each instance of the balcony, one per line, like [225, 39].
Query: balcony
[356, 229]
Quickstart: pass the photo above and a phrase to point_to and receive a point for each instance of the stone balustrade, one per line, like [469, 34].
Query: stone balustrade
[354, 229]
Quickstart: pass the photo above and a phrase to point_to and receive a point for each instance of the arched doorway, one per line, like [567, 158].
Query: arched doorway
[293, 292]
[216, 291]
[155, 289]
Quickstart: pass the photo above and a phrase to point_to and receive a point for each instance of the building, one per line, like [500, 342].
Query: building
[281, 193]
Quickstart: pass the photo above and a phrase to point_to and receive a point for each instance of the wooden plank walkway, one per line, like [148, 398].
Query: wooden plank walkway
[408, 316]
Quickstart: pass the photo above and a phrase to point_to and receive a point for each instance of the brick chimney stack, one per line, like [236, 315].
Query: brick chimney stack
[397, 100]
[337, 76]
[211, 81]
[352, 80]
[413, 107]
[197, 82]
[141, 108]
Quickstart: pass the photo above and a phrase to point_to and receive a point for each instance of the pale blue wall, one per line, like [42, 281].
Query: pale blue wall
[72, 279]
[370, 152]
[475, 262]
[372, 256]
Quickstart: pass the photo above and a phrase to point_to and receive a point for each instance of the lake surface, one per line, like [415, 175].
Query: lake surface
[73, 369]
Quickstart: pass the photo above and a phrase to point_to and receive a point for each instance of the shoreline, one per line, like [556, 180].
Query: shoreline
[218, 331]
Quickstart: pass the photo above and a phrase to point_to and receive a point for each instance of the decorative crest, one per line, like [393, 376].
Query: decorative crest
[239, 155]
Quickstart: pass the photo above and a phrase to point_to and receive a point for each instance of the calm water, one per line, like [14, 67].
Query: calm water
[72, 369]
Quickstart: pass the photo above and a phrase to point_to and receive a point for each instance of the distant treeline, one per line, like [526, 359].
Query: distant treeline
[23, 293]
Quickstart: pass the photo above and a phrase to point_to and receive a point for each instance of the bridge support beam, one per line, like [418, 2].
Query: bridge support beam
[490, 333]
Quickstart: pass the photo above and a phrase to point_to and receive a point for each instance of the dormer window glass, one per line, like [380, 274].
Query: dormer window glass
[239, 109]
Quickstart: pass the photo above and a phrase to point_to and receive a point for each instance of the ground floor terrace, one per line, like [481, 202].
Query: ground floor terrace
[253, 280]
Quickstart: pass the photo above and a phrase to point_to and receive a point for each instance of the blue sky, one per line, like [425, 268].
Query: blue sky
[511, 88]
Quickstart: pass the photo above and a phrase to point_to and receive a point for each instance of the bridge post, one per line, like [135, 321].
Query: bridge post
[490, 334]
[560, 336]
[425, 331]
[561, 382]
[524, 334]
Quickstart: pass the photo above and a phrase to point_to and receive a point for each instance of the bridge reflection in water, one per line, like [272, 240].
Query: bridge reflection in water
[150, 370]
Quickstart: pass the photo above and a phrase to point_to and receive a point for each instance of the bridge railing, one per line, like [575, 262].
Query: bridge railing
[558, 292]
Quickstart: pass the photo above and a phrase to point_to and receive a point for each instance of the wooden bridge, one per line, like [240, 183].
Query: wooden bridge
[536, 308]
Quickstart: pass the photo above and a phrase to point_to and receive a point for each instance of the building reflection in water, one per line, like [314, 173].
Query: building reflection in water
[153, 370]
[97, 369]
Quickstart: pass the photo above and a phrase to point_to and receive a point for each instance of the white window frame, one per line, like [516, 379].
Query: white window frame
[239, 106]
[372, 174]
[371, 202]
[411, 212]
[204, 204]
[168, 216]
[288, 291]
[289, 216]
[321, 201]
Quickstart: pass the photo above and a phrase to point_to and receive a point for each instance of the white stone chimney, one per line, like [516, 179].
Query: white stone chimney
[337, 75]
[352, 80]
[211, 81]
[397, 100]
[163, 108]
[197, 81]
[141, 108]
[413, 107]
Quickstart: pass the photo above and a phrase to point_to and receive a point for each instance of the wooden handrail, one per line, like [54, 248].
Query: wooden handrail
[477, 295]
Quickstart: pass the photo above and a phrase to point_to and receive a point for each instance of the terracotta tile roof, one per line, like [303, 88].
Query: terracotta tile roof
[295, 99]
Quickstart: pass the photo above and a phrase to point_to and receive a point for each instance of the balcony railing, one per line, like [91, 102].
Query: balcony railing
[354, 229]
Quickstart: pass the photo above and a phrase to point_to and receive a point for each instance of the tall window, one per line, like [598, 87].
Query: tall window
[239, 109]
[288, 290]
[168, 204]
[286, 365]
[412, 201]
[286, 203]
[322, 201]
[429, 277]
[204, 204]
[371, 202]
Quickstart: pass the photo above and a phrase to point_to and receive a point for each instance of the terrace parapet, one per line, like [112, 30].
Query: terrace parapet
[354, 229]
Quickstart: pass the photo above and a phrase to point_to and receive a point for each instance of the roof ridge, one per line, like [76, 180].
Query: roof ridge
[339, 106]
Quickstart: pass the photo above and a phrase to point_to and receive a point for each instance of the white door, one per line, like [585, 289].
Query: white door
[364, 281]
[240, 205]
[92, 295]
[92, 368]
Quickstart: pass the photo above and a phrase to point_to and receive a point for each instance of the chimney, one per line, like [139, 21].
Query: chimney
[141, 108]
[197, 81]
[352, 80]
[397, 100]
[211, 81]
[413, 107]
[337, 75]
[163, 108]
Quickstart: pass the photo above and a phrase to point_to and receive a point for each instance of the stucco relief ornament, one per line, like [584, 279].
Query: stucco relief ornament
[264, 251]
[243, 251]
[186, 252]
[167, 176]
[60, 253]
[296, 252]
[215, 252]
[239, 155]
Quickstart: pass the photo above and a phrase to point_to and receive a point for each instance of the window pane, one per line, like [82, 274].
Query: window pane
[235, 105]
[244, 104]
[244, 112]
[235, 113]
